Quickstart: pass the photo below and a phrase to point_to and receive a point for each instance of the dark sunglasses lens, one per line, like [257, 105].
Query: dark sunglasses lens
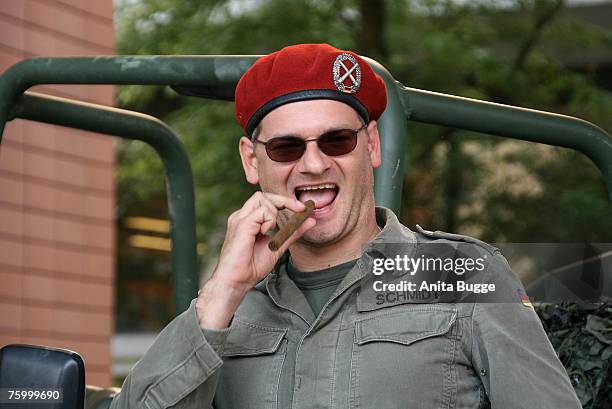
[286, 149]
[336, 143]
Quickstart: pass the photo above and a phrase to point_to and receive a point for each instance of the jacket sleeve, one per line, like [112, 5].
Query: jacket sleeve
[511, 353]
[179, 370]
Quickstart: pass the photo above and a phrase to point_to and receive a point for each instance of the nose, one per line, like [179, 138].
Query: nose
[313, 161]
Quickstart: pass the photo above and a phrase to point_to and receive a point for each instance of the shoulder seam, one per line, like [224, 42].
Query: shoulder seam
[458, 237]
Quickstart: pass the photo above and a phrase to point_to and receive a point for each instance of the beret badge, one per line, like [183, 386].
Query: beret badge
[347, 73]
[305, 72]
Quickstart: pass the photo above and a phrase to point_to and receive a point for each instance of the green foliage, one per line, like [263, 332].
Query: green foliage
[482, 44]
[582, 337]
[207, 128]
[509, 52]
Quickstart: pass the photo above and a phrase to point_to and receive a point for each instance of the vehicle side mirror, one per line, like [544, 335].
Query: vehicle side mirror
[36, 377]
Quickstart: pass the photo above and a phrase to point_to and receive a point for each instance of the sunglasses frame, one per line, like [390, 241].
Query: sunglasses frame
[305, 141]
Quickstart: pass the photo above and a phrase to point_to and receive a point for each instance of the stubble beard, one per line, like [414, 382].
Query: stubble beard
[350, 219]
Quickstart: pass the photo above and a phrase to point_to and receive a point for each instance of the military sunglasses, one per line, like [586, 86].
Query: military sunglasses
[332, 143]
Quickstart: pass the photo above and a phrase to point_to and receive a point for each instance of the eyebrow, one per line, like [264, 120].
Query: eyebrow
[330, 129]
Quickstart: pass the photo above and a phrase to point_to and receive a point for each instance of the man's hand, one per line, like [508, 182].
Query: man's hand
[245, 258]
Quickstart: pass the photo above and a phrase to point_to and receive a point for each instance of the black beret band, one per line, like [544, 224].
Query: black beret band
[305, 95]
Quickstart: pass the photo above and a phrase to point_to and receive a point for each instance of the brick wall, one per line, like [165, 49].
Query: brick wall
[57, 195]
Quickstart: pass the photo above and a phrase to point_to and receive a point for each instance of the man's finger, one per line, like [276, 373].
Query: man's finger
[265, 205]
[257, 200]
[253, 221]
[252, 203]
[285, 202]
[278, 201]
[267, 226]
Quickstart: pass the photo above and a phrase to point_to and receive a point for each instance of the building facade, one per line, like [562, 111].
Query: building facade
[57, 195]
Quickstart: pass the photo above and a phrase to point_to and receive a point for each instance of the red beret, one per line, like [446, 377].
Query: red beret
[304, 72]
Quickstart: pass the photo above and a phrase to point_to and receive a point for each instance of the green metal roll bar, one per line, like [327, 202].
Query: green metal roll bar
[216, 77]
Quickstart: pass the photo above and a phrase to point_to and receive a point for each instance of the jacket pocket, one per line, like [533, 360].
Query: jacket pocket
[253, 358]
[246, 339]
[405, 327]
[402, 353]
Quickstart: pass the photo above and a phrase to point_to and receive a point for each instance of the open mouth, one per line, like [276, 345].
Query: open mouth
[322, 195]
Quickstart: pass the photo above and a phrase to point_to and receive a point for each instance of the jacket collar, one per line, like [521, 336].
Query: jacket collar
[286, 294]
[392, 232]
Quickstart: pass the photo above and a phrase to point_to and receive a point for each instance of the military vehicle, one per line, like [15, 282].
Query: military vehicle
[60, 374]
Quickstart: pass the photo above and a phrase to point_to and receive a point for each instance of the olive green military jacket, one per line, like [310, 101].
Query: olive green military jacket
[357, 353]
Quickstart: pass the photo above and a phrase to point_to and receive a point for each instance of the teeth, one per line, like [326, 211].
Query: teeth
[323, 186]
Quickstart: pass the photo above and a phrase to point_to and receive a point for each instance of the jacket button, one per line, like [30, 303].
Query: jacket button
[483, 372]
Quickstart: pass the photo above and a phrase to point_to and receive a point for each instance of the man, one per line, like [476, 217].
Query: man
[297, 328]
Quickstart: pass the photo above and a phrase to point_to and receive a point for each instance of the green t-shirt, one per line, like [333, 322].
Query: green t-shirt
[318, 286]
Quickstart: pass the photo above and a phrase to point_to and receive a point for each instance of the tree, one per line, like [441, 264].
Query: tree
[509, 52]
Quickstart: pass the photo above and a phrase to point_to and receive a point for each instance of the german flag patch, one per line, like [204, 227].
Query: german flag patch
[524, 298]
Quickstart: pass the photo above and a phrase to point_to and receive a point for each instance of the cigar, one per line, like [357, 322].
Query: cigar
[292, 225]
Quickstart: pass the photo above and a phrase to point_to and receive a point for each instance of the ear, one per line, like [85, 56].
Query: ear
[374, 144]
[249, 160]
